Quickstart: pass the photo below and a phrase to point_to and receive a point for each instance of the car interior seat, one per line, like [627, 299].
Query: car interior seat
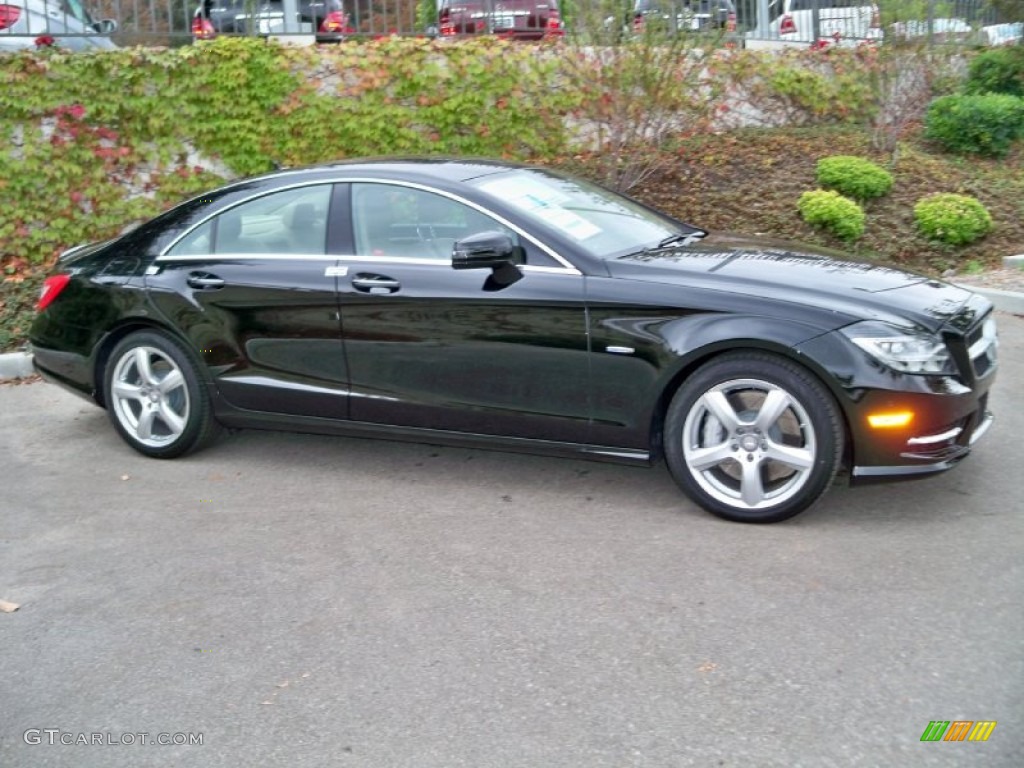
[306, 231]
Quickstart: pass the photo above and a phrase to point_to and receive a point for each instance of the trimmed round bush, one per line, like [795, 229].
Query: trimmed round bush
[952, 219]
[997, 70]
[854, 176]
[985, 124]
[830, 210]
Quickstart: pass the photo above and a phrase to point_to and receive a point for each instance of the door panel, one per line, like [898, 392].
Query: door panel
[429, 346]
[256, 293]
[270, 335]
[444, 349]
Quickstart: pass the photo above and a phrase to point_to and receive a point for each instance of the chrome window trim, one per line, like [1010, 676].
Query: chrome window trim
[345, 258]
[245, 257]
[566, 264]
[549, 270]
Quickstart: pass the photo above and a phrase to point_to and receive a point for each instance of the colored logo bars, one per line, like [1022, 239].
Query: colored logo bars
[958, 730]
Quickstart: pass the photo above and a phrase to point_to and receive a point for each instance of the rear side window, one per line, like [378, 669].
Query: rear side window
[291, 222]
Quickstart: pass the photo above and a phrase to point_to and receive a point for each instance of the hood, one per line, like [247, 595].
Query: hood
[800, 273]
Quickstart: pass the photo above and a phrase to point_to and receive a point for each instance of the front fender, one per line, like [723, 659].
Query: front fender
[639, 362]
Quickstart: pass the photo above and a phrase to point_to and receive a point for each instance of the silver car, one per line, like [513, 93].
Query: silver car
[66, 22]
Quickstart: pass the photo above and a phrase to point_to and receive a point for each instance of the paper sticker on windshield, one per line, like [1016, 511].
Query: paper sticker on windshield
[544, 203]
[568, 222]
[526, 193]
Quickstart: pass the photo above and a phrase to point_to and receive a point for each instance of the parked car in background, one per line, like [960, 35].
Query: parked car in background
[683, 15]
[481, 303]
[954, 30]
[942, 30]
[326, 19]
[515, 19]
[24, 22]
[1009, 33]
[842, 22]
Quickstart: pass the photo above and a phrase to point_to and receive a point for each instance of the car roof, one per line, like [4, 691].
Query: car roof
[426, 169]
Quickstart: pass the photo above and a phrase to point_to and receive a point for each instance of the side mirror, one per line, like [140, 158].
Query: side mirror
[105, 26]
[484, 250]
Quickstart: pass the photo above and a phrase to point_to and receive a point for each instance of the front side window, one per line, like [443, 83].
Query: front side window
[291, 222]
[395, 221]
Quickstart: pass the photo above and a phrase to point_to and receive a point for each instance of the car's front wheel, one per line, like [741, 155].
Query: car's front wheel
[155, 397]
[753, 438]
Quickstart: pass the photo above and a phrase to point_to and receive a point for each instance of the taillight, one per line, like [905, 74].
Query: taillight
[336, 22]
[730, 23]
[9, 15]
[202, 29]
[876, 18]
[52, 286]
[787, 26]
[554, 25]
[445, 25]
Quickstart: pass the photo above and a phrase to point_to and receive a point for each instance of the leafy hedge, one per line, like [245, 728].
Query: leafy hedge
[81, 166]
[828, 209]
[171, 123]
[984, 124]
[998, 70]
[854, 176]
[952, 219]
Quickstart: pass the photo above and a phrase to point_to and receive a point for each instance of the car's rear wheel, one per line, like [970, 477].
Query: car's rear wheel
[753, 438]
[155, 397]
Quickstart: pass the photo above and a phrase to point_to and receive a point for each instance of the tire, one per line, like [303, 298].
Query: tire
[753, 438]
[155, 397]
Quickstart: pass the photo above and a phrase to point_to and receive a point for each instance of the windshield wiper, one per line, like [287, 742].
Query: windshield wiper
[678, 240]
[682, 239]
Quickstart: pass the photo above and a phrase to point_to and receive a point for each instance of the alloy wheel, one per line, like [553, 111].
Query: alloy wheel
[150, 396]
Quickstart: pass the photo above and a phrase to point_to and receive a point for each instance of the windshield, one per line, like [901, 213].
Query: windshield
[605, 225]
[75, 8]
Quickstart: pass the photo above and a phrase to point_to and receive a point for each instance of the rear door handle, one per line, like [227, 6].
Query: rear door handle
[204, 281]
[368, 283]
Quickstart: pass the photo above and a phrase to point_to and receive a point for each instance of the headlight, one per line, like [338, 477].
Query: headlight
[902, 349]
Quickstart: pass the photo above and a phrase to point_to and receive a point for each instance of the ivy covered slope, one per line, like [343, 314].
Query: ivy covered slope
[96, 141]
[728, 139]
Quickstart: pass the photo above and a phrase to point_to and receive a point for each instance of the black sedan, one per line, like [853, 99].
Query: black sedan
[485, 304]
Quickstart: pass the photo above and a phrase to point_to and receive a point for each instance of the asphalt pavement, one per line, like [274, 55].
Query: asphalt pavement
[295, 600]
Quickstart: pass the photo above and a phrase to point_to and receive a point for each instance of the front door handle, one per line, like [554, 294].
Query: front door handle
[368, 283]
[204, 281]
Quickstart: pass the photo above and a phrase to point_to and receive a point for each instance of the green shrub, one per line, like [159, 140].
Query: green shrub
[854, 176]
[985, 124]
[952, 219]
[997, 70]
[830, 210]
